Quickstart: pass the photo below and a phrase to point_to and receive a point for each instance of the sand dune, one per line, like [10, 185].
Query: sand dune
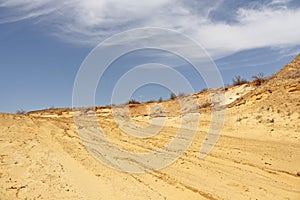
[257, 156]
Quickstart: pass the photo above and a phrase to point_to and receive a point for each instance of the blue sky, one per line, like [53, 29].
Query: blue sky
[43, 43]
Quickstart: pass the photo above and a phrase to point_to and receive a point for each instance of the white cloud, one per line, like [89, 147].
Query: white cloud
[256, 29]
[90, 21]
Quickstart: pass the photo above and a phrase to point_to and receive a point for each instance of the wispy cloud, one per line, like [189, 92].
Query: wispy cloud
[256, 24]
[255, 29]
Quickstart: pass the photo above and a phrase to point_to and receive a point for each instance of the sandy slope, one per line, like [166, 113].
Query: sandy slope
[256, 157]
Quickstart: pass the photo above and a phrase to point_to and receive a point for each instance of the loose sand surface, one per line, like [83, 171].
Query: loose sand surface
[257, 155]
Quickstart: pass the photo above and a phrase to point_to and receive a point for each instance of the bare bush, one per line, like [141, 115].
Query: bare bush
[238, 80]
[133, 101]
[259, 78]
[150, 101]
[21, 111]
[204, 89]
[173, 95]
[181, 94]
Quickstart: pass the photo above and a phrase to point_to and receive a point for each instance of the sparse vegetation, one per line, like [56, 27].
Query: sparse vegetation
[181, 94]
[21, 111]
[259, 78]
[150, 101]
[173, 95]
[204, 89]
[133, 101]
[160, 99]
[238, 80]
